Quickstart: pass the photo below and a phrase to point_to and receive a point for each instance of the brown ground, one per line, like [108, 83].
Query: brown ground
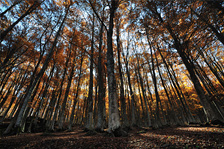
[179, 137]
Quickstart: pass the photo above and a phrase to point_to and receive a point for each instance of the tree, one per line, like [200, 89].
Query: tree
[89, 121]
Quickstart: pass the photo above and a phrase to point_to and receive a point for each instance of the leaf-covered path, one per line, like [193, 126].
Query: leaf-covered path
[179, 137]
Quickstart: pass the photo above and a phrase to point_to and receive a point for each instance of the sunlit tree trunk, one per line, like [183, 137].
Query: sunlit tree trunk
[142, 111]
[213, 67]
[182, 97]
[133, 119]
[76, 95]
[4, 80]
[158, 122]
[143, 93]
[15, 94]
[130, 91]
[9, 91]
[173, 114]
[211, 114]
[62, 112]
[174, 83]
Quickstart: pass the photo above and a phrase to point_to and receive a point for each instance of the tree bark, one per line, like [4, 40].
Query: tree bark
[125, 122]
[90, 121]
[114, 119]
[100, 80]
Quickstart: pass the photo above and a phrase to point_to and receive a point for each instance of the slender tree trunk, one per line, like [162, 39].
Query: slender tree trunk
[212, 67]
[143, 117]
[39, 75]
[158, 122]
[143, 93]
[89, 122]
[211, 114]
[133, 119]
[7, 94]
[15, 94]
[61, 115]
[125, 122]
[76, 96]
[100, 80]
[173, 114]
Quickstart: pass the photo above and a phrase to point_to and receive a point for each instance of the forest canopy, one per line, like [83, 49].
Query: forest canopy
[110, 63]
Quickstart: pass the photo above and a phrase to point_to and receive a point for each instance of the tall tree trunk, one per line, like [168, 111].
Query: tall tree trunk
[100, 80]
[173, 114]
[212, 67]
[133, 119]
[158, 122]
[90, 121]
[210, 112]
[39, 75]
[62, 112]
[76, 96]
[114, 120]
[15, 94]
[143, 93]
[175, 84]
[125, 122]
[131, 93]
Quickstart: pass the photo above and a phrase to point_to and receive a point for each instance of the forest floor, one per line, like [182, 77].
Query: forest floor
[176, 137]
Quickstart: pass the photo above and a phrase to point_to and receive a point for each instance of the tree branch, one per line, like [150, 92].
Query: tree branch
[97, 15]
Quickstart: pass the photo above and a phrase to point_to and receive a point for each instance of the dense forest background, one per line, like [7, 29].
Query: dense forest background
[110, 63]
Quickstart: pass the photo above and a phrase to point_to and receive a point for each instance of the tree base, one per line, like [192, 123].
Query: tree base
[100, 130]
[91, 133]
[126, 128]
[16, 130]
[217, 122]
[119, 132]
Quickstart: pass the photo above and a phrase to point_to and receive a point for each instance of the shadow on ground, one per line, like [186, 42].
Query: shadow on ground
[180, 137]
